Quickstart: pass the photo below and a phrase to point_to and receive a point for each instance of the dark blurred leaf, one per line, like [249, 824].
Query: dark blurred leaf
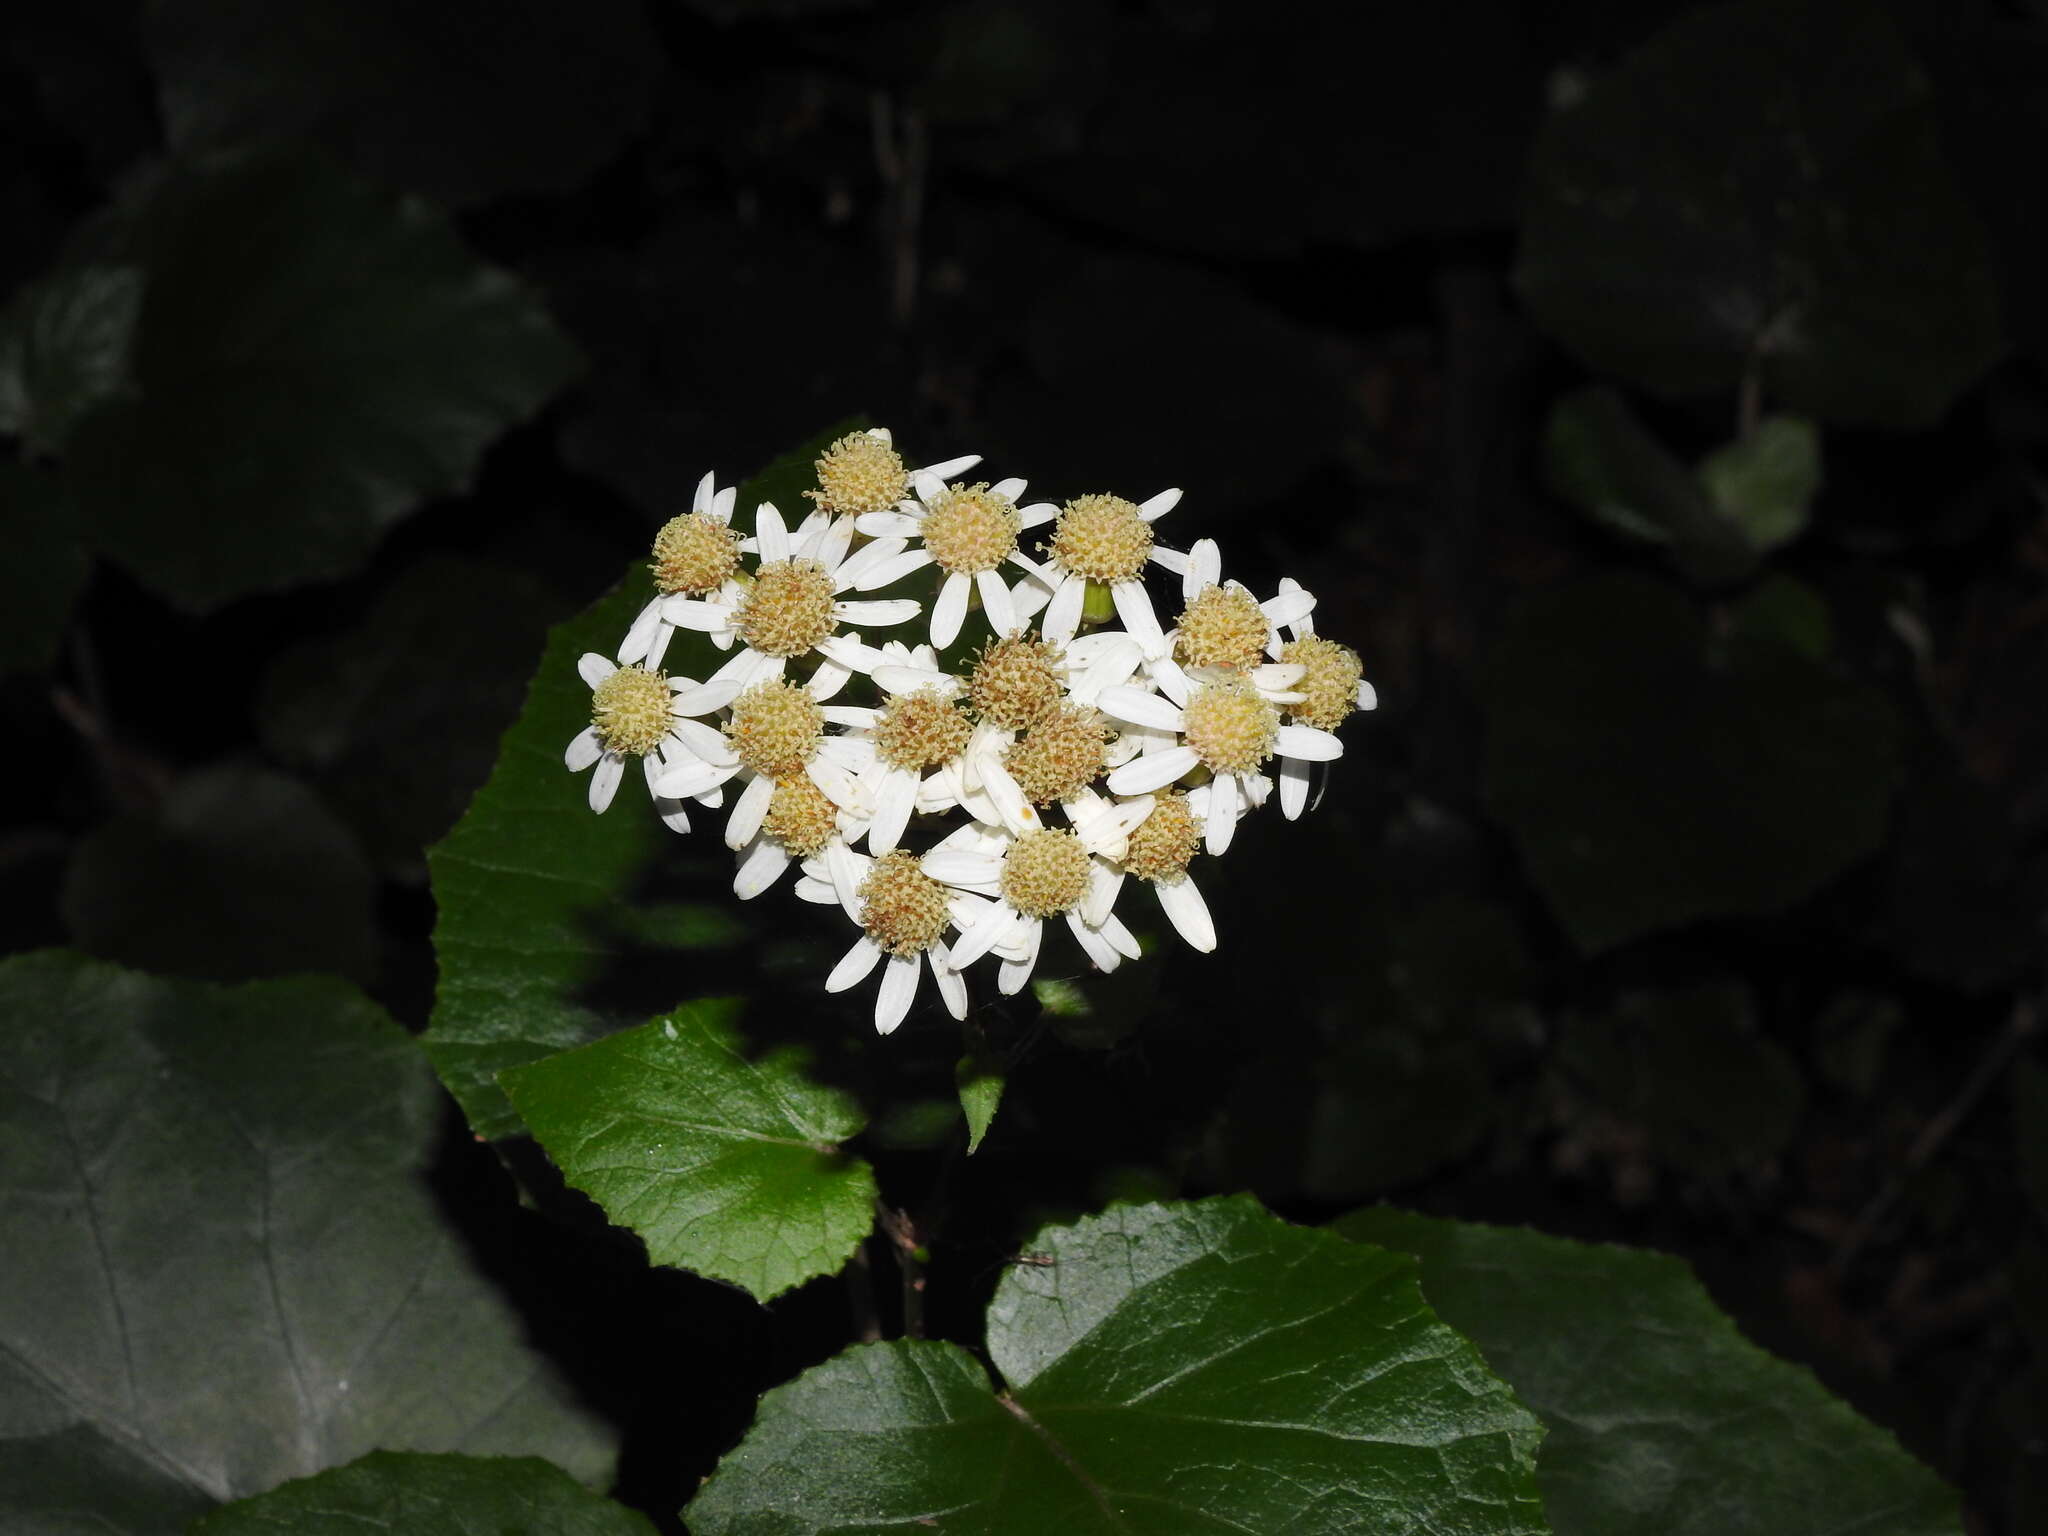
[1762, 180]
[238, 872]
[749, 10]
[1651, 777]
[1598, 455]
[1172, 1368]
[224, 1267]
[313, 362]
[463, 100]
[1659, 1416]
[540, 901]
[46, 566]
[726, 1164]
[2030, 1130]
[65, 344]
[398, 719]
[1765, 483]
[1966, 904]
[1689, 1067]
[77, 1482]
[979, 1079]
[1783, 612]
[413, 1495]
[995, 58]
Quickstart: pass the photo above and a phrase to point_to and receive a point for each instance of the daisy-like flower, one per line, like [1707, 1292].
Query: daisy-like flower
[1042, 873]
[1158, 852]
[800, 823]
[775, 733]
[1228, 723]
[791, 606]
[862, 472]
[1104, 539]
[694, 555]
[636, 712]
[917, 729]
[903, 914]
[968, 532]
[1332, 686]
[1222, 624]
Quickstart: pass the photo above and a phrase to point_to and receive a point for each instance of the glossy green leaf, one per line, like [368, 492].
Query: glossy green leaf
[1761, 185]
[1163, 1368]
[725, 1163]
[190, 886]
[1765, 483]
[1660, 1415]
[461, 100]
[223, 1266]
[44, 571]
[978, 1078]
[557, 926]
[1653, 773]
[65, 344]
[314, 361]
[413, 1495]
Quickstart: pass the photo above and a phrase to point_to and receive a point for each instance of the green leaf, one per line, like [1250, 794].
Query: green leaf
[724, 1164]
[1652, 777]
[1165, 1368]
[1761, 185]
[224, 1267]
[1765, 483]
[314, 362]
[462, 102]
[979, 1079]
[544, 908]
[78, 1481]
[397, 751]
[191, 886]
[64, 348]
[1661, 1417]
[44, 571]
[411, 1495]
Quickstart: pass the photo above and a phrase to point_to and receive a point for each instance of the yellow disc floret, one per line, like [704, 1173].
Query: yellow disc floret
[1104, 538]
[694, 554]
[1013, 681]
[788, 609]
[1164, 842]
[970, 529]
[859, 473]
[799, 816]
[1045, 873]
[902, 907]
[1230, 727]
[1223, 627]
[630, 710]
[1060, 755]
[775, 726]
[920, 730]
[1329, 686]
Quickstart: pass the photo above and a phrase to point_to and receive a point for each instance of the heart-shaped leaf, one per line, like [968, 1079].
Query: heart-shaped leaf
[412, 1495]
[724, 1164]
[45, 568]
[64, 347]
[223, 1267]
[1661, 1416]
[1164, 1368]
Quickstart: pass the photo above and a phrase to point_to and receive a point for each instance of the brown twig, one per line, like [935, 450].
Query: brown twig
[860, 1297]
[910, 1260]
[901, 157]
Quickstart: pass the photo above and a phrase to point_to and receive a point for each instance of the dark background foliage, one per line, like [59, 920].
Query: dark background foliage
[1655, 396]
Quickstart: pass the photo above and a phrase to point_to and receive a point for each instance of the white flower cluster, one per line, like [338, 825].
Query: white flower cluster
[1067, 755]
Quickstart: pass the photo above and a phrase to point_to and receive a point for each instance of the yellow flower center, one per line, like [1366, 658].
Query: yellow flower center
[859, 473]
[788, 609]
[902, 908]
[694, 554]
[1230, 727]
[799, 816]
[630, 710]
[1329, 687]
[920, 730]
[1104, 538]
[1162, 845]
[1045, 873]
[1060, 755]
[1013, 682]
[971, 529]
[1223, 627]
[775, 726]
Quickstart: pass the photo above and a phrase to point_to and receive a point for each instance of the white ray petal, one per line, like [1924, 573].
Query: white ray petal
[760, 869]
[848, 870]
[1277, 677]
[1134, 607]
[894, 610]
[1368, 696]
[593, 668]
[947, 469]
[1013, 809]
[894, 801]
[848, 651]
[1205, 569]
[1222, 818]
[1169, 559]
[858, 716]
[696, 613]
[604, 780]
[886, 525]
[958, 867]
[1017, 967]
[1294, 776]
[898, 990]
[585, 748]
[705, 697]
[988, 930]
[1155, 770]
[1097, 948]
[952, 985]
[1184, 907]
[701, 500]
[1288, 607]
[1155, 507]
[706, 742]
[996, 601]
[1173, 682]
[1063, 613]
[771, 533]
[1038, 513]
[1103, 885]
[1307, 743]
[830, 677]
[818, 892]
[854, 965]
[1142, 708]
[640, 637]
[950, 611]
[748, 811]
